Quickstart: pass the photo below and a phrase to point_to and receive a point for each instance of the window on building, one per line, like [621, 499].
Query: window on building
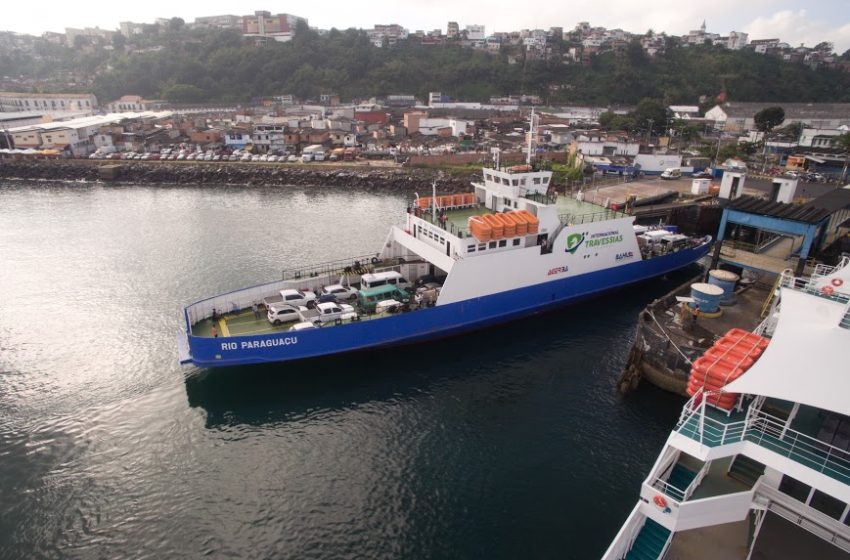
[492, 245]
[470, 249]
[503, 243]
[545, 180]
[537, 180]
[482, 246]
[795, 488]
[827, 504]
[516, 242]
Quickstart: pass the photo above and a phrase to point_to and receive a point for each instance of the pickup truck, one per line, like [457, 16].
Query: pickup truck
[329, 312]
[297, 297]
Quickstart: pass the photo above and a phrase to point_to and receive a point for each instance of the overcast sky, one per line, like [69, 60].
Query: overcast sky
[793, 21]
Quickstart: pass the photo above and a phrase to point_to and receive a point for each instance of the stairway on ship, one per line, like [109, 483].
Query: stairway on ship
[746, 470]
[649, 543]
[680, 477]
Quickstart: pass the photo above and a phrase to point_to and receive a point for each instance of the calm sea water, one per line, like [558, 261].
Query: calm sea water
[508, 443]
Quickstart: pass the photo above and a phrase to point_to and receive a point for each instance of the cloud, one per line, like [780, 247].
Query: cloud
[796, 27]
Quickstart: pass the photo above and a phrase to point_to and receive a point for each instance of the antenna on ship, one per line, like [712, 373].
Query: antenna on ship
[530, 136]
[433, 200]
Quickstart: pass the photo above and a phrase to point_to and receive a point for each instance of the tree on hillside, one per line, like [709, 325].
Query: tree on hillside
[650, 115]
[769, 118]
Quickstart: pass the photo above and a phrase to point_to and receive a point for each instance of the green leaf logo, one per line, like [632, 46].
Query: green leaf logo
[574, 241]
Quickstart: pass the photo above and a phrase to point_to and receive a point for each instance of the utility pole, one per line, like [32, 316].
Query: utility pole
[649, 132]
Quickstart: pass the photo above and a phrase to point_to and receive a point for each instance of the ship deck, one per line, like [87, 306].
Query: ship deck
[244, 323]
[571, 211]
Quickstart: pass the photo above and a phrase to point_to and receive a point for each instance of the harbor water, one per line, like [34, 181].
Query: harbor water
[509, 442]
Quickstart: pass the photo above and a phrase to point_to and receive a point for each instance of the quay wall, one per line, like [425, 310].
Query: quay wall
[234, 173]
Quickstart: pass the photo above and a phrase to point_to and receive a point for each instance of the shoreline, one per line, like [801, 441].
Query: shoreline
[233, 174]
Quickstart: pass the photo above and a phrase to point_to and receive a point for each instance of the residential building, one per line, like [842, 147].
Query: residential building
[388, 35]
[736, 40]
[443, 127]
[372, 117]
[219, 22]
[128, 28]
[134, 103]
[453, 30]
[48, 102]
[237, 138]
[412, 120]
[204, 137]
[270, 135]
[740, 116]
[699, 37]
[76, 136]
[90, 33]
[263, 26]
[475, 33]
[820, 138]
[761, 46]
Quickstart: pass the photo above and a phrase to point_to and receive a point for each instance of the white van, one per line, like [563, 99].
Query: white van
[671, 173]
[383, 278]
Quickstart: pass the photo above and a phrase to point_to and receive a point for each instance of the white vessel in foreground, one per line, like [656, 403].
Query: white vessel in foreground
[759, 466]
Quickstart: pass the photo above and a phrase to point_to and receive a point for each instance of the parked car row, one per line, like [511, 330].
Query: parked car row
[184, 155]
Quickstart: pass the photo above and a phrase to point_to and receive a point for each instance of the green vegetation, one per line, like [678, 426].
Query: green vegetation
[769, 118]
[189, 66]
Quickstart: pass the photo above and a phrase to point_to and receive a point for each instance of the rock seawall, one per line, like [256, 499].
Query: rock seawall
[247, 174]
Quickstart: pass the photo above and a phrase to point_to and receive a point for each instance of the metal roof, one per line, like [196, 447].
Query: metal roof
[833, 201]
[806, 213]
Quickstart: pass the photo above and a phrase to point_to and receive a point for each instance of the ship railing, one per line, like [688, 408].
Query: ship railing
[602, 215]
[670, 490]
[810, 286]
[626, 536]
[807, 517]
[351, 264]
[773, 433]
[696, 424]
[458, 231]
[542, 198]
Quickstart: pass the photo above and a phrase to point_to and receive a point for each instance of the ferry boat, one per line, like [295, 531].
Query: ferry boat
[758, 464]
[507, 249]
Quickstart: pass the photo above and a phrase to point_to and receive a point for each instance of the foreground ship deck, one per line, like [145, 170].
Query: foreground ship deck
[768, 476]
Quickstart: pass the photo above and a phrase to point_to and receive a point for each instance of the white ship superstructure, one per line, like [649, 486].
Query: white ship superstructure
[769, 478]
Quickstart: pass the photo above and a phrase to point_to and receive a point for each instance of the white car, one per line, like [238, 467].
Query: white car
[245, 157]
[292, 158]
[330, 311]
[340, 292]
[387, 306]
[283, 313]
[303, 326]
[297, 297]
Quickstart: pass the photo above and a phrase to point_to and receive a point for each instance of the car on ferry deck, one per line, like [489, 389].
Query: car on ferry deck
[340, 292]
[283, 313]
[297, 297]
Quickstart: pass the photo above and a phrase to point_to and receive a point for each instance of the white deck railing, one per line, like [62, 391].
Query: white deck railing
[816, 522]
[768, 432]
[622, 543]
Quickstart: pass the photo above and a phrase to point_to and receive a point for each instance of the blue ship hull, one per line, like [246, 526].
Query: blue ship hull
[430, 323]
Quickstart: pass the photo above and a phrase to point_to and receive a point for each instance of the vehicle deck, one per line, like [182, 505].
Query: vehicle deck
[243, 323]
